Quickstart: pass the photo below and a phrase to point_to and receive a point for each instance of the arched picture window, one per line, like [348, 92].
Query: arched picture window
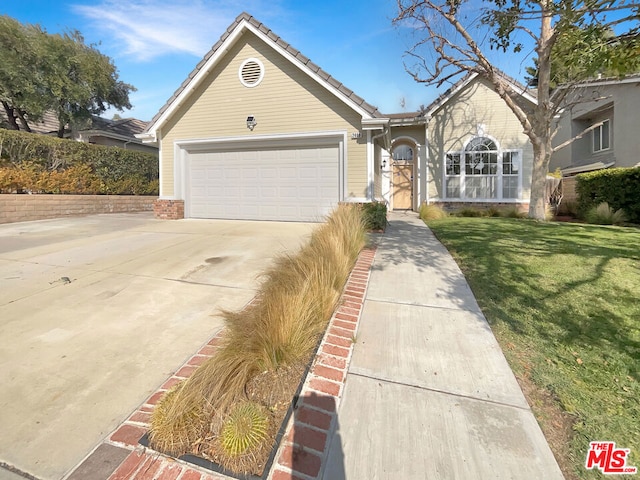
[482, 172]
[403, 153]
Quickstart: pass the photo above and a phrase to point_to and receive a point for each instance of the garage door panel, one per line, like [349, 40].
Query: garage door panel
[278, 184]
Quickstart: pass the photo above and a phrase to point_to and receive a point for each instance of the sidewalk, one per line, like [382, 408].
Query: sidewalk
[429, 394]
[424, 392]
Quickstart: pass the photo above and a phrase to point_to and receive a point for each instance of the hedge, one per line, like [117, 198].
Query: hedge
[43, 164]
[619, 187]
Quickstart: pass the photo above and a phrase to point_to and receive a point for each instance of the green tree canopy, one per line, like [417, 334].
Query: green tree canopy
[454, 37]
[55, 72]
[583, 53]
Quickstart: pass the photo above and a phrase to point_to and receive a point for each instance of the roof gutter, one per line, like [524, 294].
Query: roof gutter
[371, 124]
[147, 137]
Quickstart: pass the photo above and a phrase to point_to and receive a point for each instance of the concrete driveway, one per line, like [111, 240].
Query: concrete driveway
[96, 312]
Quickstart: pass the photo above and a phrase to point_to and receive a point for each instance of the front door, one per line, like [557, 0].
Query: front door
[402, 186]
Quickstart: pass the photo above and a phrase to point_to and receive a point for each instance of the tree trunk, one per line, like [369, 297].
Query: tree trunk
[11, 117]
[540, 135]
[23, 120]
[541, 158]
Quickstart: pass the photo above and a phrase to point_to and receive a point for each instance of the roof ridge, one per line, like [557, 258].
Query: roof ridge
[287, 47]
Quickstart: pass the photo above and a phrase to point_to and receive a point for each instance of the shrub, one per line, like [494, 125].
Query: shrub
[44, 164]
[470, 212]
[375, 215]
[512, 212]
[570, 207]
[494, 211]
[432, 212]
[603, 214]
[280, 328]
[619, 187]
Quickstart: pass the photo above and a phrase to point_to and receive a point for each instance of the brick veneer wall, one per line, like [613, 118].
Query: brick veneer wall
[168, 209]
[23, 208]
[453, 206]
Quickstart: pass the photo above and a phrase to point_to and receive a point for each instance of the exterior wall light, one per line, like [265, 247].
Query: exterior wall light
[251, 122]
[383, 164]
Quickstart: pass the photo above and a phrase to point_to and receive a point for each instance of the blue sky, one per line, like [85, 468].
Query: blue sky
[156, 43]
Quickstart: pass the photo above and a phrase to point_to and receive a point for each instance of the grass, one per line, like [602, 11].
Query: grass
[603, 214]
[275, 333]
[563, 302]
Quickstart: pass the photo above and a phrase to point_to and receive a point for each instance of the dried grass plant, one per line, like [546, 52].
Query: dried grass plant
[281, 327]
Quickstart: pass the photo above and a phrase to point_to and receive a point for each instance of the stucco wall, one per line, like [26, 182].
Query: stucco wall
[620, 104]
[475, 109]
[286, 101]
[24, 208]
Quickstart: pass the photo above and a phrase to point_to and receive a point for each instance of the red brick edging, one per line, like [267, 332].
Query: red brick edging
[305, 444]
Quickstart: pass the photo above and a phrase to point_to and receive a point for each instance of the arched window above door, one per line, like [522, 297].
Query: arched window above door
[403, 153]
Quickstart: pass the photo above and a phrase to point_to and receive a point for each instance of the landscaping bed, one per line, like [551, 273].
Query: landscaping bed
[562, 300]
[231, 409]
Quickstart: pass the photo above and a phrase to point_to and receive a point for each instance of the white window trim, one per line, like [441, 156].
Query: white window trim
[599, 129]
[499, 176]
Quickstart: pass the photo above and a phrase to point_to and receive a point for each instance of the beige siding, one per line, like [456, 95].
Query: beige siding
[287, 101]
[415, 131]
[476, 106]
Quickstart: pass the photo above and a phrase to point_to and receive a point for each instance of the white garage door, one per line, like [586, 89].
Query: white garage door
[298, 184]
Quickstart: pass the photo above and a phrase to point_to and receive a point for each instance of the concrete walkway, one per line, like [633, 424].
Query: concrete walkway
[429, 394]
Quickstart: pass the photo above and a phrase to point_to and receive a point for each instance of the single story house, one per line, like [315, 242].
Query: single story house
[611, 104]
[95, 130]
[258, 131]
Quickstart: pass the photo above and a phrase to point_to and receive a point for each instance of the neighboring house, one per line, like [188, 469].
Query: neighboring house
[613, 105]
[97, 130]
[258, 131]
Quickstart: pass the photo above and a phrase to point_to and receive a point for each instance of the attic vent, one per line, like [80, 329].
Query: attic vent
[251, 72]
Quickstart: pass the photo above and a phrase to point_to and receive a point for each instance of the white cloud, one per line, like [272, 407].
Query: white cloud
[145, 29]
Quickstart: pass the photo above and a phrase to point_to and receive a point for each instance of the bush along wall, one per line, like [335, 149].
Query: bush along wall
[32, 163]
[619, 187]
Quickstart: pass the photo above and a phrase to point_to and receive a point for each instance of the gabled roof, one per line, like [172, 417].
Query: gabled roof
[597, 82]
[242, 23]
[526, 93]
[124, 129]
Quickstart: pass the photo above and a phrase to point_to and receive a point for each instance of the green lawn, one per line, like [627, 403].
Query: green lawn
[564, 302]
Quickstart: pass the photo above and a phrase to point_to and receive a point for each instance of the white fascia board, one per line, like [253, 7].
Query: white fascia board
[437, 106]
[304, 69]
[147, 137]
[375, 123]
[464, 84]
[223, 49]
[195, 81]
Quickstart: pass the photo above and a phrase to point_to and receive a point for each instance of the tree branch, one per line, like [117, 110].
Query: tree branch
[580, 135]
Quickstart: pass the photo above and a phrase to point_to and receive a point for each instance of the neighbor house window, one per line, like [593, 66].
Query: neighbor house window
[482, 172]
[601, 137]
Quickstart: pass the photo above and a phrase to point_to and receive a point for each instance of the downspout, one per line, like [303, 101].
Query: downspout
[385, 131]
[426, 157]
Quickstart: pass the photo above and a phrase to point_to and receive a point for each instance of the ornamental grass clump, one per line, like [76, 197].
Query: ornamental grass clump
[432, 212]
[276, 332]
[603, 214]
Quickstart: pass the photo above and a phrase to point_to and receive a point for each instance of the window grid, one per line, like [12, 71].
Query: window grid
[482, 172]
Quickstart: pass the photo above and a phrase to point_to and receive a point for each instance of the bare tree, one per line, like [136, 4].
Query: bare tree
[456, 36]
